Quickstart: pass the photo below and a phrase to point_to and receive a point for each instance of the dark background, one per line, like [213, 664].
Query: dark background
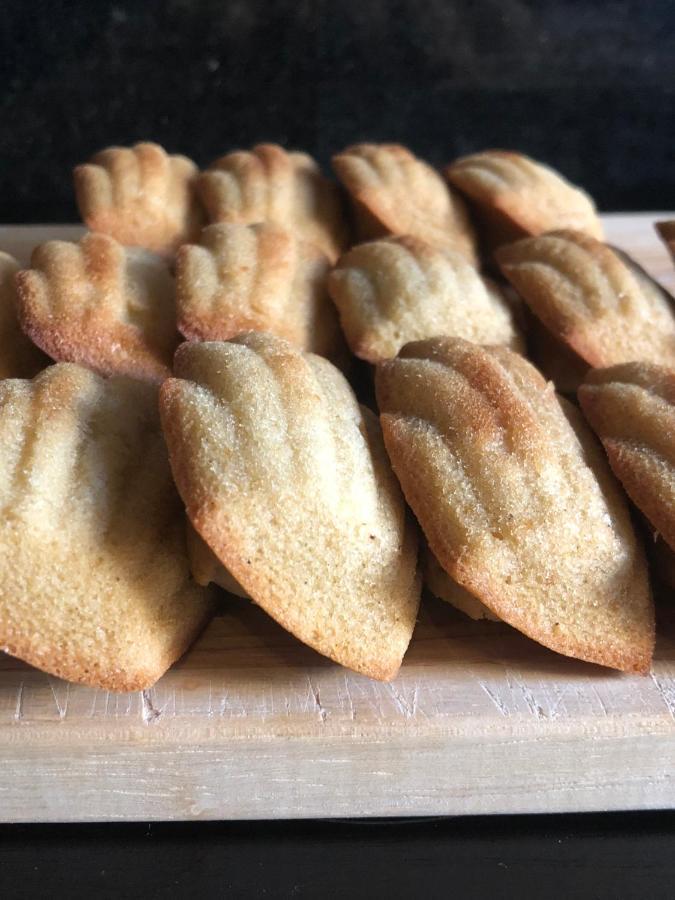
[587, 86]
[618, 857]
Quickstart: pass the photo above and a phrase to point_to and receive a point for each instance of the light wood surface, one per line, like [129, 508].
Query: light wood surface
[251, 724]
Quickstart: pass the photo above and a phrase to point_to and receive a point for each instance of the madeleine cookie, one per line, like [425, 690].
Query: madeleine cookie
[667, 232]
[287, 481]
[513, 196]
[516, 499]
[141, 196]
[205, 566]
[19, 357]
[594, 299]
[95, 585]
[398, 289]
[555, 360]
[632, 410]
[256, 278]
[268, 184]
[441, 585]
[395, 193]
[100, 304]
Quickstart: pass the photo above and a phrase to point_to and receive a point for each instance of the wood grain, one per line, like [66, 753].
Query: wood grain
[251, 724]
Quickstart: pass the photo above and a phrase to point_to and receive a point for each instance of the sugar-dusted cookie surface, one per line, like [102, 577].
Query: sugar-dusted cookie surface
[514, 196]
[394, 192]
[437, 580]
[19, 357]
[556, 361]
[287, 481]
[205, 566]
[516, 499]
[256, 278]
[593, 298]
[398, 289]
[141, 196]
[100, 304]
[269, 184]
[94, 581]
[667, 232]
[632, 410]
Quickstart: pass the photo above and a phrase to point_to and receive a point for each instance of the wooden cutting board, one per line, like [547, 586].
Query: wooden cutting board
[251, 724]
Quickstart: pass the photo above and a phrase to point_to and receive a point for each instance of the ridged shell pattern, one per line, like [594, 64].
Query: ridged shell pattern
[102, 305]
[590, 296]
[141, 196]
[632, 410]
[400, 289]
[516, 499]
[269, 184]
[256, 278]
[405, 195]
[531, 195]
[286, 479]
[95, 580]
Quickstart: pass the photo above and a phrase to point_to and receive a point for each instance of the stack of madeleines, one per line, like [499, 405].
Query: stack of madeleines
[179, 409]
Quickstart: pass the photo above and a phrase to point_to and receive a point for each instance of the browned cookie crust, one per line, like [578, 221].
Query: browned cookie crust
[288, 482]
[95, 584]
[516, 499]
[632, 410]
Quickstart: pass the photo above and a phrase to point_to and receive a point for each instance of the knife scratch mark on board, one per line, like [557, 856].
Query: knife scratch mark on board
[316, 695]
[496, 700]
[350, 701]
[407, 707]
[515, 683]
[149, 712]
[666, 692]
[62, 710]
[601, 702]
[18, 710]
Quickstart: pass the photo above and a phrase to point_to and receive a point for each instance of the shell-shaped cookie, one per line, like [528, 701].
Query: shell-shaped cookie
[94, 580]
[516, 499]
[100, 304]
[400, 289]
[396, 193]
[667, 232]
[141, 196]
[437, 580]
[269, 184]
[205, 566]
[287, 481]
[555, 360]
[19, 357]
[256, 278]
[632, 410]
[596, 300]
[513, 196]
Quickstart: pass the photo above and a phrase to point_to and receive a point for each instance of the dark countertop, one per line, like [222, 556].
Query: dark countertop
[621, 855]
